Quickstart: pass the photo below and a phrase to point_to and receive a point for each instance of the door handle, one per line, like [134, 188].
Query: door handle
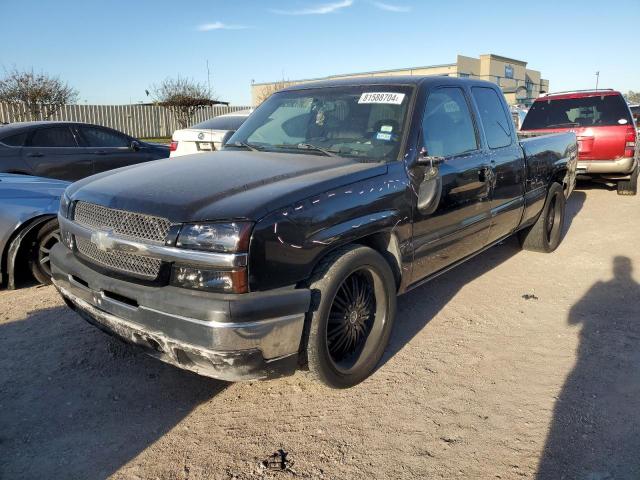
[484, 174]
[35, 154]
[100, 152]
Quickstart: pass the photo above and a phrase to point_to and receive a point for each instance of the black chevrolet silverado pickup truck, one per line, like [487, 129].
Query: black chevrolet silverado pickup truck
[287, 248]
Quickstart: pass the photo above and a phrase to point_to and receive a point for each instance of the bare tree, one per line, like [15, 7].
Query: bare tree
[40, 94]
[183, 97]
[267, 90]
[632, 97]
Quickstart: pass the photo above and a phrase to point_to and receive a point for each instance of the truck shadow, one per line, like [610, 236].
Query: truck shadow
[595, 432]
[417, 308]
[64, 384]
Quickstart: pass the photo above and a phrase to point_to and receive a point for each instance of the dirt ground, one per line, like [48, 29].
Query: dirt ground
[514, 365]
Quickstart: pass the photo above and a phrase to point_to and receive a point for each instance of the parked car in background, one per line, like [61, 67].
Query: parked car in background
[70, 150]
[207, 136]
[607, 137]
[291, 244]
[28, 225]
[635, 111]
[518, 113]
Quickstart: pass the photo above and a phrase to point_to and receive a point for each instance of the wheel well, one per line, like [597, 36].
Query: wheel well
[386, 244]
[560, 177]
[14, 251]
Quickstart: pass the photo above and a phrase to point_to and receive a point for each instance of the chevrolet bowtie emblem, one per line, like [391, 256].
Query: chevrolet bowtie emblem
[103, 240]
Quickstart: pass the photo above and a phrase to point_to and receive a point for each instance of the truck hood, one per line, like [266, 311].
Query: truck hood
[221, 185]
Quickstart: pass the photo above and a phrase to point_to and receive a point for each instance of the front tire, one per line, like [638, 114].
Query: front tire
[546, 234]
[354, 293]
[629, 187]
[39, 262]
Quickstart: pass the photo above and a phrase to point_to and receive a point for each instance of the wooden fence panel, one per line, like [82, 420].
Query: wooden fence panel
[143, 121]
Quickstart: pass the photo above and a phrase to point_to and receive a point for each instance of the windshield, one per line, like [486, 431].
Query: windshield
[224, 122]
[365, 122]
[592, 111]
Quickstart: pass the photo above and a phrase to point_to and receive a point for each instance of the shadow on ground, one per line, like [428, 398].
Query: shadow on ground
[595, 433]
[432, 297]
[63, 384]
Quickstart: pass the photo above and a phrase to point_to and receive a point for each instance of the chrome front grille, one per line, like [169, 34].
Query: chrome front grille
[126, 224]
[145, 267]
[130, 225]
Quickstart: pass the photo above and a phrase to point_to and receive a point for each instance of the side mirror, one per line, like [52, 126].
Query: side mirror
[135, 145]
[425, 159]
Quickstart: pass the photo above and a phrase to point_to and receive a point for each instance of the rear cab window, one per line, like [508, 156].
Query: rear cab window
[579, 111]
[496, 123]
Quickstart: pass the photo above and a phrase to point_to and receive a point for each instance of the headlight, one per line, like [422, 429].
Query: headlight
[227, 237]
[223, 281]
[65, 202]
[216, 237]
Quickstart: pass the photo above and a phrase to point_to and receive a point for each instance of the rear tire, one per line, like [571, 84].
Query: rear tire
[39, 264]
[629, 187]
[354, 300]
[546, 234]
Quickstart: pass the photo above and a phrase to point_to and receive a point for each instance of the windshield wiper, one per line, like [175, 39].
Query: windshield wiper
[248, 146]
[308, 146]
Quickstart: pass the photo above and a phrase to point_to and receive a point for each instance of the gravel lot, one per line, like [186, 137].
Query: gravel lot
[513, 365]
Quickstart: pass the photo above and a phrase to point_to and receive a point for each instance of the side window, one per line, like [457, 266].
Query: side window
[98, 137]
[494, 119]
[53, 137]
[15, 140]
[447, 126]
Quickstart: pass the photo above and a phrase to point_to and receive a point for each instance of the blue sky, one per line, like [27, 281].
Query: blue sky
[112, 51]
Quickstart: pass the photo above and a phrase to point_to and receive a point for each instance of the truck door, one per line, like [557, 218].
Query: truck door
[507, 162]
[459, 224]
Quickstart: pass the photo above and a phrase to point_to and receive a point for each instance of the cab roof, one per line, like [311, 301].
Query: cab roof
[410, 80]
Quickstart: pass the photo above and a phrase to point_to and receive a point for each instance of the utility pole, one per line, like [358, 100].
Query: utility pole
[208, 79]
[597, 78]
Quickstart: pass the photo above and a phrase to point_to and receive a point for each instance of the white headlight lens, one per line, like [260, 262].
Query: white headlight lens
[216, 237]
[64, 205]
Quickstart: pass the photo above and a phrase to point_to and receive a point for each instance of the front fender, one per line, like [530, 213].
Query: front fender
[287, 244]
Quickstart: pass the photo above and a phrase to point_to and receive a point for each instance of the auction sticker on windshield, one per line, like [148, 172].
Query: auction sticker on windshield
[382, 97]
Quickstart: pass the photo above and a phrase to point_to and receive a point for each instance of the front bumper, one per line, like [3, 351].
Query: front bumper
[229, 337]
[618, 168]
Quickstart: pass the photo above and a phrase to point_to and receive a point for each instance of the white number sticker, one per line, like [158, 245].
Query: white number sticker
[382, 97]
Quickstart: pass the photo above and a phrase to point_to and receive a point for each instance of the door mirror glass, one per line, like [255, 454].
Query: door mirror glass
[135, 145]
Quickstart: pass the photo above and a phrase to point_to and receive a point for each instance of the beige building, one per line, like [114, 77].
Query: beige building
[520, 84]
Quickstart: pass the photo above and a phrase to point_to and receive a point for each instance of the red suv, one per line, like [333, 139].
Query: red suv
[607, 138]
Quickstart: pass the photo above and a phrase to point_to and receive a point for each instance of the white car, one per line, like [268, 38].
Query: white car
[206, 136]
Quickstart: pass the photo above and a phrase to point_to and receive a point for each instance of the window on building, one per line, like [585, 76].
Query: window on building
[508, 71]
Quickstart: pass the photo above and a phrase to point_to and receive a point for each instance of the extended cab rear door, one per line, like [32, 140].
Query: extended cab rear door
[506, 160]
[459, 225]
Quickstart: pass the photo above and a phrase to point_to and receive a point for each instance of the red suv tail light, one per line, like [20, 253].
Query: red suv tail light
[173, 146]
[630, 141]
